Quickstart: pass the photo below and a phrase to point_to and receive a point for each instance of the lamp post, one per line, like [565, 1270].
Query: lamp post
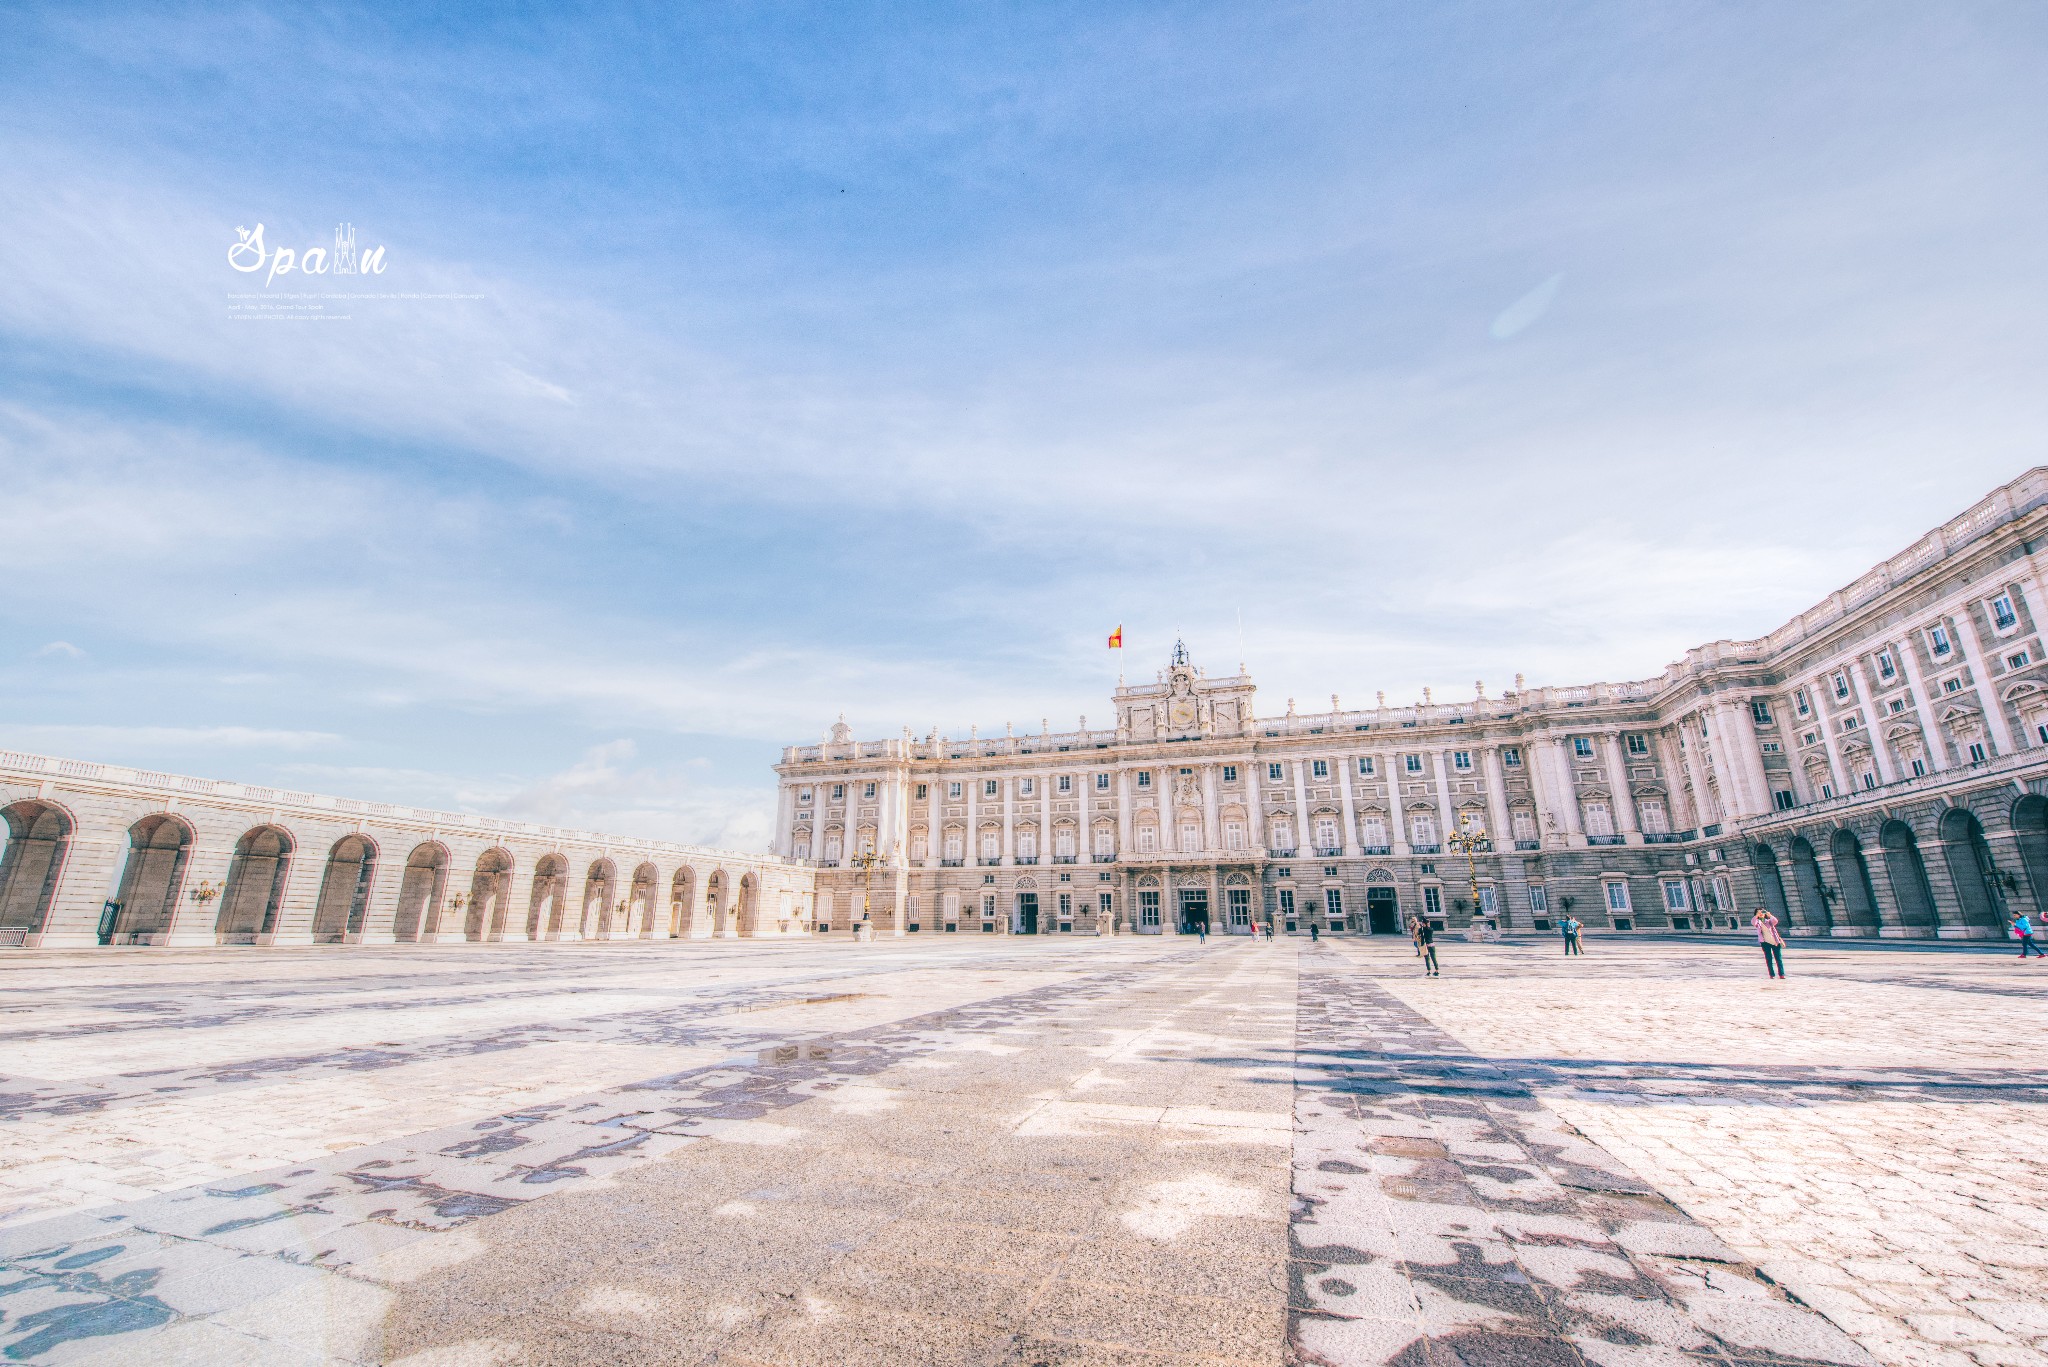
[1470, 841]
[866, 861]
[457, 904]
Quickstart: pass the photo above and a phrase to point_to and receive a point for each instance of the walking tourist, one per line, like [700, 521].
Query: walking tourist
[1314, 933]
[1773, 943]
[1425, 945]
[1572, 926]
[2023, 931]
[1202, 931]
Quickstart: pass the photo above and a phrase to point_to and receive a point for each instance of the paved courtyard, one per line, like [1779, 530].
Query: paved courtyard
[1031, 1151]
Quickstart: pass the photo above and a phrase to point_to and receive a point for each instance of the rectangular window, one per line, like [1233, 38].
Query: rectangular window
[1919, 768]
[1638, 744]
[1102, 783]
[1274, 773]
[1024, 787]
[1511, 757]
[1539, 897]
[1760, 711]
[1414, 764]
[1066, 906]
[923, 791]
[1105, 906]
[1375, 829]
[1650, 811]
[1461, 759]
[1582, 746]
[2002, 615]
[988, 787]
[953, 790]
[867, 790]
[2041, 732]
[1896, 706]
[1850, 723]
[1489, 901]
[1809, 738]
[1841, 683]
[1144, 778]
[1675, 898]
[1422, 830]
[1887, 668]
[1433, 901]
[1954, 685]
[1869, 779]
[1240, 902]
[1333, 902]
[1319, 768]
[1066, 783]
[1148, 907]
[1617, 897]
[1782, 799]
[1977, 752]
[1827, 790]
[1802, 702]
[1105, 842]
[1365, 765]
[1230, 773]
[1287, 902]
[2019, 659]
[1771, 747]
[1938, 643]
[1148, 839]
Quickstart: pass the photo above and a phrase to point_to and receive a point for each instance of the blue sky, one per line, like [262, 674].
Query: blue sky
[881, 358]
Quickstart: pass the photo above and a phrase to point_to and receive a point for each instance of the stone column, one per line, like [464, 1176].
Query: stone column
[1209, 827]
[1623, 795]
[1007, 785]
[1256, 801]
[1446, 814]
[1683, 817]
[1567, 792]
[973, 851]
[934, 831]
[1123, 814]
[1346, 764]
[1838, 774]
[1980, 668]
[1397, 805]
[1502, 832]
[1873, 718]
[1923, 706]
[1301, 831]
[1045, 847]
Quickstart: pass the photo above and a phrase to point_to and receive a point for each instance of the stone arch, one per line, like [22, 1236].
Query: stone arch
[1813, 910]
[1770, 887]
[153, 878]
[1971, 869]
[544, 903]
[38, 839]
[344, 898]
[2030, 834]
[420, 890]
[600, 886]
[682, 903]
[1907, 873]
[1852, 876]
[747, 906]
[640, 901]
[715, 893]
[254, 895]
[490, 896]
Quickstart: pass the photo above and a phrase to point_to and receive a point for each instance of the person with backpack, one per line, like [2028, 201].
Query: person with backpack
[1771, 941]
[2023, 931]
[1425, 945]
[1571, 934]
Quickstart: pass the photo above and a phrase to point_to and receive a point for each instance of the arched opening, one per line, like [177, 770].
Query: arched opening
[490, 895]
[1908, 875]
[1852, 875]
[1770, 887]
[1813, 912]
[255, 890]
[550, 883]
[747, 912]
[2030, 833]
[714, 903]
[152, 880]
[1968, 860]
[419, 891]
[38, 837]
[682, 903]
[344, 890]
[598, 913]
[640, 904]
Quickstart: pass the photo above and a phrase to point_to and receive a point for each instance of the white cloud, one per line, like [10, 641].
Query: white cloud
[61, 648]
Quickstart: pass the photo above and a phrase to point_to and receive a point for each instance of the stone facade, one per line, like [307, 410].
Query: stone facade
[100, 854]
[1876, 766]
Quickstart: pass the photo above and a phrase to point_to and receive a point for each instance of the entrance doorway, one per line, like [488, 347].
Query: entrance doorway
[1383, 910]
[1027, 913]
[1194, 910]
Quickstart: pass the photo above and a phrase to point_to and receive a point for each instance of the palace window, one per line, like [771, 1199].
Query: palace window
[1802, 701]
[1433, 901]
[802, 849]
[1274, 773]
[953, 851]
[2002, 615]
[1524, 824]
[1760, 711]
[1066, 906]
[1333, 903]
[1365, 765]
[2019, 659]
[1422, 830]
[1850, 723]
[1539, 897]
[918, 848]
[991, 845]
[2041, 731]
[867, 790]
[1952, 684]
[923, 791]
[1024, 787]
[1326, 833]
[988, 787]
[1675, 898]
[1782, 798]
[1771, 747]
[1105, 841]
[1190, 835]
[1827, 790]
[1240, 902]
[1414, 764]
[1977, 752]
[1375, 829]
[1887, 668]
[1148, 838]
[1063, 842]
[1582, 746]
[1066, 783]
[1287, 902]
[1027, 844]
[839, 792]
[1938, 643]
[1283, 837]
[1489, 901]
[803, 795]
[1230, 773]
[1897, 705]
[1233, 835]
[1105, 905]
[1148, 906]
[1599, 819]
[1617, 897]
[1461, 759]
[1841, 683]
[1102, 783]
[832, 847]
[1512, 757]
[1319, 768]
[1638, 744]
[1919, 771]
[988, 906]
[953, 790]
[1656, 821]
[1869, 779]
[1144, 778]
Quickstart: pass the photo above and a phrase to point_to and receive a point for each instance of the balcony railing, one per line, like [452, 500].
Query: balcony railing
[1105, 859]
[1426, 849]
[828, 863]
[1665, 837]
[989, 863]
[1711, 831]
[1528, 844]
[951, 863]
[1284, 854]
[1027, 859]
[1328, 851]
[1065, 859]
[1378, 849]
[1606, 840]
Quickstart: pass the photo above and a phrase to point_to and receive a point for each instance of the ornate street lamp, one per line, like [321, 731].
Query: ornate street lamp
[1470, 842]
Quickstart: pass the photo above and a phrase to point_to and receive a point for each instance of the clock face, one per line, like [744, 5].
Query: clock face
[1181, 714]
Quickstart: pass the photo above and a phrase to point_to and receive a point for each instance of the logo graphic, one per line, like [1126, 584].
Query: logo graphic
[248, 255]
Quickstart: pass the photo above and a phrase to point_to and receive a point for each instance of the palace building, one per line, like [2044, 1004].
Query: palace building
[1874, 767]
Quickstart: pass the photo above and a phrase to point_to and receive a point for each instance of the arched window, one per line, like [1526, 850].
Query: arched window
[918, 846]
[1233, 835]
[1190, 834]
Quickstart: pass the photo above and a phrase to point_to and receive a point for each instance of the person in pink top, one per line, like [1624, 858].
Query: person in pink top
[1773, 943]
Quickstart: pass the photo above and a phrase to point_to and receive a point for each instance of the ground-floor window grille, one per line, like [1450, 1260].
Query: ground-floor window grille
[1240, 904]
[1148, 907]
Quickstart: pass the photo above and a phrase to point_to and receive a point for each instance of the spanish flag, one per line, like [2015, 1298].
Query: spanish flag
[1116, 638]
